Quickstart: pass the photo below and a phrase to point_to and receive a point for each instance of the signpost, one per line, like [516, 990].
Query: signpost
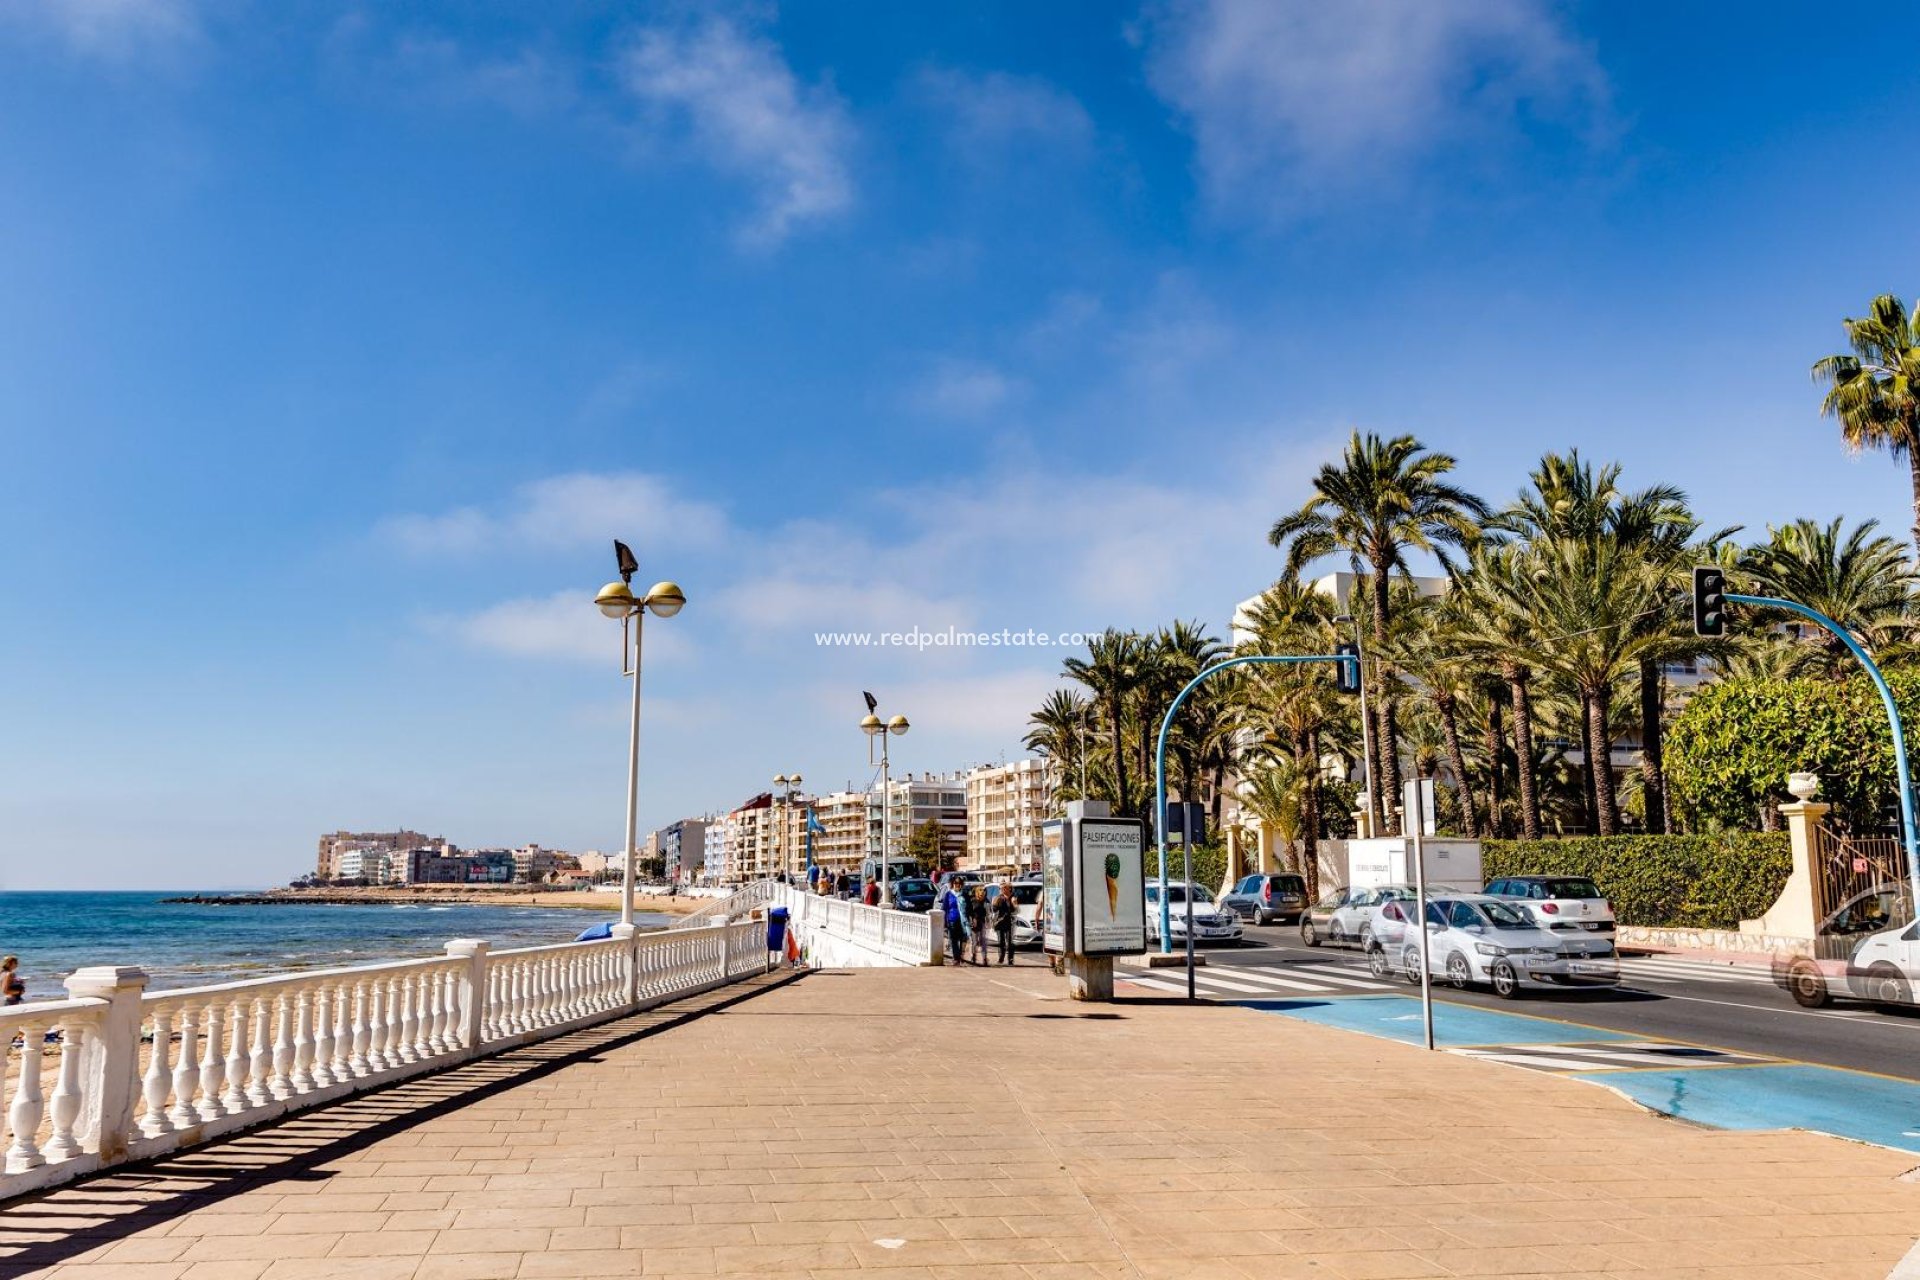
[1415, 819]
[1093, 894]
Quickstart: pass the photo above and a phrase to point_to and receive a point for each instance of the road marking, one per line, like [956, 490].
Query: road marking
[1275, 980]
[1321, 975]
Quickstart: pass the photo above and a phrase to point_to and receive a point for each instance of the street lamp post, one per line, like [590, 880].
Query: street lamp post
[874, 727]
[785, 786]
[616, 600]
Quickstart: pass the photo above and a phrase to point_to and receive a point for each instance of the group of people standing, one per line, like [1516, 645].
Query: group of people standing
[968, 914]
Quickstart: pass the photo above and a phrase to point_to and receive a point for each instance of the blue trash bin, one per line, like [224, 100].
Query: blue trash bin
[777, 930]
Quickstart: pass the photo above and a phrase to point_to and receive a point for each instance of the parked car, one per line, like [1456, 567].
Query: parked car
[961, 880]
[1564, 904]
[1868, 949]
[1268, 897]
[1344, 917]
[1026, 910]
[913, 894]
[1482, 938]
[1210, 922]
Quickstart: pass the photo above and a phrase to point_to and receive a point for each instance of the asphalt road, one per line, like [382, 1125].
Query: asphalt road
[1736, 1009]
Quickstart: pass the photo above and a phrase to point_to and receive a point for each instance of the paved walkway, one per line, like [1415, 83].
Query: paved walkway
[972, 1124]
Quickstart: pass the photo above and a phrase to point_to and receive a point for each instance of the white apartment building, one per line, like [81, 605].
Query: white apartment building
[914, 800]
[719, 865]
[1006, 803]
[372, 865]
[846, 816]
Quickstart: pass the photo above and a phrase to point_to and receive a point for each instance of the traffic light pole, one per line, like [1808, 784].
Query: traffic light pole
[1909, 830]
[1160, 780]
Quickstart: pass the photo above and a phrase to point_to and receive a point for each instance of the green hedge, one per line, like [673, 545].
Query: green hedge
[1681, 882]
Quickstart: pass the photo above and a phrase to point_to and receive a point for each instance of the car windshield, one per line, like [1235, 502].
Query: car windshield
[1026, 894]
[914, 886]
[1289, 884]
[1178, 893]
[1573, 887]
[1504, 916]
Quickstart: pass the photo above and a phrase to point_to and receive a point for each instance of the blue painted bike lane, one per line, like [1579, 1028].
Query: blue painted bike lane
[1691, 1082]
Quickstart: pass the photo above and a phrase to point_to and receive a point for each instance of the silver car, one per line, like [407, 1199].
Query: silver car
[1344, 918]
[1267, 897]
[1494, 940]
[1210, 922]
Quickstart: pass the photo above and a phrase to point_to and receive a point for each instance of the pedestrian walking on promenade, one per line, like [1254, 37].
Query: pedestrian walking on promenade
[977, 922]
[871, 894]
[954, 912]
[13, 988]
[1003, 911]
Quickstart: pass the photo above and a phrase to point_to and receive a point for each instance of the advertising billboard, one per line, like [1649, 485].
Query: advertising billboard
[1053, 885]
[1109, 887]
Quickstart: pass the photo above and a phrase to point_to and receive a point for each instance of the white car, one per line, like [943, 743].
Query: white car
[1478, 938]
[1564, 904]
[1344, 918]
[1026, 911]
[1211, 923]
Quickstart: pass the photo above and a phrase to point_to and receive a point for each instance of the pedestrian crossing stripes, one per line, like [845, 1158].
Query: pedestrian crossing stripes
[1330, 978]
[1610, 1055]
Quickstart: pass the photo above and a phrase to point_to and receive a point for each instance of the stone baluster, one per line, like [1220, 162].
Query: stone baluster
[260, 1051]
[516, 996]
[360, 1005]
[282, 1082]
[23, 1117]
[186, 1071]
[322, 1068]
[408, 1028]
[67, 1094]
[213, 1061]
[154, 1121]
[302, 1002]
[239, 1022]
[377, 1060]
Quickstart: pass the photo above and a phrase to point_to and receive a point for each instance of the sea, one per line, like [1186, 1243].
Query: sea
[184, 944]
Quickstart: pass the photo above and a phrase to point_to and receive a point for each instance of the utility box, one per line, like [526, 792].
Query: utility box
[1450, 864]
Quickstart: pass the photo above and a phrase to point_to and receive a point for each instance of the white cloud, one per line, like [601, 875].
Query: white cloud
[111, 30]
[997, 109]
[962, 389]
[743, 104]
[561, 625]
[1291, 101]
[567, 512]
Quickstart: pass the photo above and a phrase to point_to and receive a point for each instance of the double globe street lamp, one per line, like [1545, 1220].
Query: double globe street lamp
[617, 600]
[876, 728]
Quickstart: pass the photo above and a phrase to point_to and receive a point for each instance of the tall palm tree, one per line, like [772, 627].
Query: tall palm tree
[1058, 731]
[1382, 500]
[1861, 580]
[1493, 576]
[1875, 391]
[1432, 654]
[1112, 673]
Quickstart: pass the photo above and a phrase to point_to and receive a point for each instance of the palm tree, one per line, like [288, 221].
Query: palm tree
[1112, 672]
[1432, 654]
[1875, 392]
[1492, 577]
[1058, 731]
[1280, 794]
[1862, 581]
[1383, 499]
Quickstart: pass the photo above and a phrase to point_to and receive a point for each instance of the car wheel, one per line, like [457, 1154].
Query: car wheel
[1807, 986]
[1366, 935]
[1506, 983]
[1886, 987]
[1261, 917]
[1377, 963]
[1410, 966]
[1459, 972]
[1308, 934]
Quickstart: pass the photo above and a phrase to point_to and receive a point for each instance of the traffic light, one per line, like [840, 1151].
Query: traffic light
[1346, 673]
[1709, 602]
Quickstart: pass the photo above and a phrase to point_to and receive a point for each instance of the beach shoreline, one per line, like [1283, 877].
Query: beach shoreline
[466, 895]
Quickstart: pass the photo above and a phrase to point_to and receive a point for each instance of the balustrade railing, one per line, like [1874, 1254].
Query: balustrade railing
[738, 903]
[116, 1073]
[884, 935]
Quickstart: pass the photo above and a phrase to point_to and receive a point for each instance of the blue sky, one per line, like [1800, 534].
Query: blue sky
[336, 343]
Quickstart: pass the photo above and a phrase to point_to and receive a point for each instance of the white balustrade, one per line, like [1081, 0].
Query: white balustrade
[876, 935]
[118, 1073]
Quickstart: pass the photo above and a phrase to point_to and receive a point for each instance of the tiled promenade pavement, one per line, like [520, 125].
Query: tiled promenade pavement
[972, 1124]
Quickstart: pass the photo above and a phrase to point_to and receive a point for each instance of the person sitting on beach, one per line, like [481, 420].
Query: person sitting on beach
[13, 988]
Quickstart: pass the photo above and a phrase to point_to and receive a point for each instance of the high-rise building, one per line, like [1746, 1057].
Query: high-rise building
[916, 800]
[683, 846]
[334, 844]
[1006, 803]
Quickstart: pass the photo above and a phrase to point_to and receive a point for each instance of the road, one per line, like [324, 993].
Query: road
[1720, 1006]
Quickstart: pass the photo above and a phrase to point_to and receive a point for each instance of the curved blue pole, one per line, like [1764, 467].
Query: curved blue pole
[1910, 830]
[1160, 766]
